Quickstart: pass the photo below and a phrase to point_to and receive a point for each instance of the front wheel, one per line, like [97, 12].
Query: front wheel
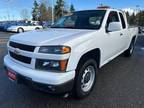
[85, 78]
[129, 51]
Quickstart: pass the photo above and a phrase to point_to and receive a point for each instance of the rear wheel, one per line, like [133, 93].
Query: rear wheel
[129, 51]
[20, 30]
[85, 78]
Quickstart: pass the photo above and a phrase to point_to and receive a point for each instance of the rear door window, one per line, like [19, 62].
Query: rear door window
[122, 20]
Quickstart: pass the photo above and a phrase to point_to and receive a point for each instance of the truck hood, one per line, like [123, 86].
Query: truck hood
[49, 37]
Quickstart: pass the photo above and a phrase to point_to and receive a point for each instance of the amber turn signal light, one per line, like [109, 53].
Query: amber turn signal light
[63, 65]
[66, 50]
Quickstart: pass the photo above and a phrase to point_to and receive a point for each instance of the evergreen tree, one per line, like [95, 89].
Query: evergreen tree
[49, 13]
[72, 9]
[59, 9]
[140, 18]
[35, 11]
[43, 14]
[132, 19]
[127, 15]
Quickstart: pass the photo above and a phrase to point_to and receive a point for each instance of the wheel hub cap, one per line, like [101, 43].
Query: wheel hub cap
[88, 78]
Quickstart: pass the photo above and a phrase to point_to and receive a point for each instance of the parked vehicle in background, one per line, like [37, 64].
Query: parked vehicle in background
[9, 24]
[1, 27]
[67, 56]
[46, 24]
[23, 27]
[4, 26]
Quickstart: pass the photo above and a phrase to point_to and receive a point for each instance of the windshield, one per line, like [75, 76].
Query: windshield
[82, 20]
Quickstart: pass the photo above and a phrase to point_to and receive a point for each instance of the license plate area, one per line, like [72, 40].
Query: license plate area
[12, 75]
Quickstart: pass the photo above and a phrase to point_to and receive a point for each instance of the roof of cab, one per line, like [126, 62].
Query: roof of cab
[110, 9]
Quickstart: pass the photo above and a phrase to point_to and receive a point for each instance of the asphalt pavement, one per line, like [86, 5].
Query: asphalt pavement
[120, 84]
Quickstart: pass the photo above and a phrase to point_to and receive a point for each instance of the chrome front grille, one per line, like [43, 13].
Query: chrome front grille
[22, 46]
[20, 58]
[16, 52]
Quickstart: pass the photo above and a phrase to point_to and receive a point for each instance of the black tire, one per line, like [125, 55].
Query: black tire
[80, 71]
[130, 50]
[20, 30]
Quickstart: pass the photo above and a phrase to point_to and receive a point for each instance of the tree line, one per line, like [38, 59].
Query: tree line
[42, 11]
[136, 18]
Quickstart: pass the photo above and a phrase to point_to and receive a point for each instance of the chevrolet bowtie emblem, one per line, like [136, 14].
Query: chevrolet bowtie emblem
[17, 51]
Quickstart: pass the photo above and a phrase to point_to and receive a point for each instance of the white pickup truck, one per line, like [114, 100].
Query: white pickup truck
[67, 56]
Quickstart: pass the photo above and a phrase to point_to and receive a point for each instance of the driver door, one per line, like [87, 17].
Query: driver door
[114, 41]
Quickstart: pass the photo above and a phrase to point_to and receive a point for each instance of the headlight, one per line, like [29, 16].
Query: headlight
[55, 49]
[51, 65]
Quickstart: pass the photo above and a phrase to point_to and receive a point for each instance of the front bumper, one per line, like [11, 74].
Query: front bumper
[47, 81]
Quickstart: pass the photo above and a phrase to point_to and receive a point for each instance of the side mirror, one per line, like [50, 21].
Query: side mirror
[114, 26]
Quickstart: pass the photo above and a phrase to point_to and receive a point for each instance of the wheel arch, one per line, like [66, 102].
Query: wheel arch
[20, 28]
[93, 54]
[37, 28]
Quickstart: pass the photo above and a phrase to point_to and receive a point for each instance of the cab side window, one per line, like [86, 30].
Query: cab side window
[122, 20]
[113, 17]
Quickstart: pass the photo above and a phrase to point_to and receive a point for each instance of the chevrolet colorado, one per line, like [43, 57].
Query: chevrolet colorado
[67, 56]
